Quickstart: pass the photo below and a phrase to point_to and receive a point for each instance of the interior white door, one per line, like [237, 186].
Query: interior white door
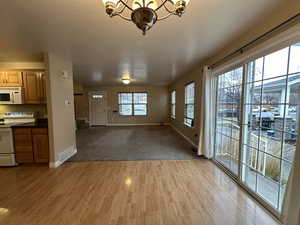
[98, 112]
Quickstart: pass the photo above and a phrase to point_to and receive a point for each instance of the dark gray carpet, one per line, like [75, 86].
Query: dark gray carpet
[131, 143]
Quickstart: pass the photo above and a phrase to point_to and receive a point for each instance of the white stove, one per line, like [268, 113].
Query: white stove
[7, 152]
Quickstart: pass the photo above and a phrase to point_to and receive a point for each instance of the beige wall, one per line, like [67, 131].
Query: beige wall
[263, 24]
[158, 101]
[179, 87]
[61, 115]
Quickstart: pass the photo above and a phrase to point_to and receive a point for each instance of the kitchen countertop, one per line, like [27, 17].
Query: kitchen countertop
[31, 125]
[7, 125]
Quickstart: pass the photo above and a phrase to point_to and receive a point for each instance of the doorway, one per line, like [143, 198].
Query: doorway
[97, 108]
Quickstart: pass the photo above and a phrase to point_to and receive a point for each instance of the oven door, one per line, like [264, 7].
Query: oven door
[7, 155]
[6, 97]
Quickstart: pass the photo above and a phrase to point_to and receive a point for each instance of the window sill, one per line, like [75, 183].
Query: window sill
[133, 115]
[189, 126]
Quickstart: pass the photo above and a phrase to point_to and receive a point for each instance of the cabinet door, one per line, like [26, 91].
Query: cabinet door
[2, 79]
[42, 80]
[14, 79]
[23, 145]
[32, 89]
[41, 148]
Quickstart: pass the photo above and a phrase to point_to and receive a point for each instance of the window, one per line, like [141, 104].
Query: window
[173, 104]
[228, 118]
[189, 107]
[97, 96]
[133, 104]
[266, 117]
[270, 126]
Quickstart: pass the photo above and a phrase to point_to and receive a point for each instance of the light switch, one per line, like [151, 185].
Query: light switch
[67, 102]
[64, 74]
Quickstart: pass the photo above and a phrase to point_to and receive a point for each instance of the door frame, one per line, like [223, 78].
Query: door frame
[90, 106]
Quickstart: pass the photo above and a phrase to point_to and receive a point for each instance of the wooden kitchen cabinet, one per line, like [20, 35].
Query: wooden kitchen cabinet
[11, 79]
[40, 145]
[23, 145]
[2, 79]
[34, 87]
[43, 88]
[31, 145]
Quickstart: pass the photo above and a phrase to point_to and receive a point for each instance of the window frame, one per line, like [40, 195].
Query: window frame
[133, 103]
[173, 104]
[187, 104]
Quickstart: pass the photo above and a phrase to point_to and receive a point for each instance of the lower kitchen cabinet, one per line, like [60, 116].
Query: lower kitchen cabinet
[31, 145]
[40, 145]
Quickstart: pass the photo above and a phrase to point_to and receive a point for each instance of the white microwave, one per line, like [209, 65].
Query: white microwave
[11, 95]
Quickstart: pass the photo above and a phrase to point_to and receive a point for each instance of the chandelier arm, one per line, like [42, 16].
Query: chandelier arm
[124, 17]
[169, 11]
[149, 3]
[138, 4]
[166, 17]
[125, 4]
[121, 10]
[162, 4]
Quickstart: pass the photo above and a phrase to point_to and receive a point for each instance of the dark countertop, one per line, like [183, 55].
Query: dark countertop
[40, 123]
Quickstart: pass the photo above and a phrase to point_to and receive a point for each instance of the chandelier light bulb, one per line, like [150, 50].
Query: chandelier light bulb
[126, 81]
[110, 6]
[115, 2]
[178, 1]
[180, 6]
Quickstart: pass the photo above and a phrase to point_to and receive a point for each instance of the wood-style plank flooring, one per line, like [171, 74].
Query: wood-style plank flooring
[191, 192]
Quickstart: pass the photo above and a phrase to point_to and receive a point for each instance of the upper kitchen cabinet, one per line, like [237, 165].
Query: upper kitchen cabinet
[34, 87]
[11, 79]
[43, 88]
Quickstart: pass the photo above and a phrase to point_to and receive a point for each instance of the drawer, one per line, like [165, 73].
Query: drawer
[23, 149]
[39, 130]
[24, 157]
[22, 140]
[22, 131]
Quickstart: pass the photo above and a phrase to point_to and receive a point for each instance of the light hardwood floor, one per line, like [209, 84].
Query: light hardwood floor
[191, 192]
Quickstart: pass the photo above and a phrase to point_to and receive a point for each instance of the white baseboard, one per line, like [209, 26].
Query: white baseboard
[185, 137]
[63, 156]
[133, 124]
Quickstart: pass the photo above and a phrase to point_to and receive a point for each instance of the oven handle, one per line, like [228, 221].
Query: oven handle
[12, 99]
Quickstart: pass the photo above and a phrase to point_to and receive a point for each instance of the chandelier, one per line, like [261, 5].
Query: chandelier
[144, 13]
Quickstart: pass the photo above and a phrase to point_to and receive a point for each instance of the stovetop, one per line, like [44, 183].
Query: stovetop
[8, 125]
[16, 118]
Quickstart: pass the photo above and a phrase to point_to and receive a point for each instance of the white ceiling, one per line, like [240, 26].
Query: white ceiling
[104, 48]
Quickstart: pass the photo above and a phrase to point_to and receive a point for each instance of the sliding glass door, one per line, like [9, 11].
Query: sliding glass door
[228, 119]
[256, 132]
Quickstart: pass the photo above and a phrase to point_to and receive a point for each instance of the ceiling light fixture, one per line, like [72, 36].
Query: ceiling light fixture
[144, 12]
[126, 81]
